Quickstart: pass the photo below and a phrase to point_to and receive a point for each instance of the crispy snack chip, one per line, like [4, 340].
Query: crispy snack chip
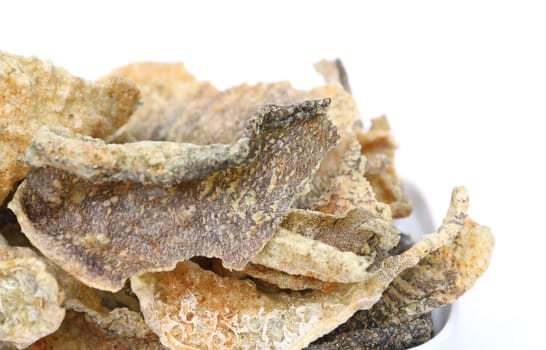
[192, 307]
[29, 297]
[164, 79]
[232, 219]
[330, 192]
[35, 93]
[105, 233]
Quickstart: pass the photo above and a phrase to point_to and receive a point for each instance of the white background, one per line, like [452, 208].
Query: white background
[462, 83]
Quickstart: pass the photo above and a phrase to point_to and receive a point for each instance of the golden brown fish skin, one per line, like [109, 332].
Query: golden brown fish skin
[377, 145]
[35, 93]
[105, 233]
[346, 188]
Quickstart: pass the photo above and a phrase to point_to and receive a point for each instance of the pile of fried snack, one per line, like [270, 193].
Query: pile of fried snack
[148, 210]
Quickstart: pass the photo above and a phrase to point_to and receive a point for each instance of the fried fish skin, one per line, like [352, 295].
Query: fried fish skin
[118, 229]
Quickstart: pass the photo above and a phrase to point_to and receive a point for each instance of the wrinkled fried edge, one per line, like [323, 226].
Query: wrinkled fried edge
[154, 162]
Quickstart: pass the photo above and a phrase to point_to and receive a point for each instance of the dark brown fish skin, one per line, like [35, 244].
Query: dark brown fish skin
[104, 233]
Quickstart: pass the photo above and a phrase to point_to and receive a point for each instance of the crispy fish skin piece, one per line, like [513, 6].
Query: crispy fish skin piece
[340, 184]
[310, 249]
[358, 230]
[378, 146]
[159, 83]
[78, 332]
[185, 114]
[35, 93]
[29, 297]
[104, 233]
[153, 162]
[191, 122]
[362, 333]
[197, 120]
[182, 105]
[295, 254]
[439, 279]
[192, 307]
